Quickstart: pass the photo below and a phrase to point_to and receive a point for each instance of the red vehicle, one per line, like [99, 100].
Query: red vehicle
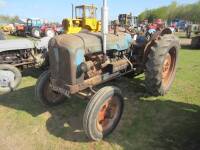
[35, 28]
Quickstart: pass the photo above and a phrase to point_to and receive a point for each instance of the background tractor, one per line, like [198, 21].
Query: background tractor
[128, 20]
[16, 55]
[85, 19]
[35, 28]
[194, 29]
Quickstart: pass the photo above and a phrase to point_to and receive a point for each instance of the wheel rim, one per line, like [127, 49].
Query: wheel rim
[108, 114]
[37, 33]
[6, 78]
[169, 67]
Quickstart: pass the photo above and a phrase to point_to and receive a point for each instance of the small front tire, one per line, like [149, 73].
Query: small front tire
[10, 78]
[103, 113]
[45, 94]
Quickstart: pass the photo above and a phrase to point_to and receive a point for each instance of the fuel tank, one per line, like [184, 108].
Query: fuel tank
[67, 52]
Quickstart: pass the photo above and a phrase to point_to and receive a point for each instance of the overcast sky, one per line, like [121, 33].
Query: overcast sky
[56, 10]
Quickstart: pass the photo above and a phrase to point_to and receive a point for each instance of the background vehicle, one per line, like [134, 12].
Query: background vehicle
[85, 19]
[35, 28]
[7, 28]
[195, 43]
[16, 55]
[192, 28]
[128, 20]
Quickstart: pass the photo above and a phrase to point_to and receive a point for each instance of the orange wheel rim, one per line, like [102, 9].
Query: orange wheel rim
[107, 115]
[168, 68]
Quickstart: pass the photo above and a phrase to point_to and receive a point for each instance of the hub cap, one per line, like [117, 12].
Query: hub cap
[50, 33]
[108, 114]
[37, 33]
[168, 67]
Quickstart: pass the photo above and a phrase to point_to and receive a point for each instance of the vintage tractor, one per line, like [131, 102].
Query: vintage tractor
[79, 62]
[35, 28]
[192, 28]
[128, 20]
[16, 55]
[85, 19]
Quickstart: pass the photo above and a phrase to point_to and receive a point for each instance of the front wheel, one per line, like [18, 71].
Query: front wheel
[36, 32]
[10, 78]
[50, 33]
[103, 113]
[45, 94]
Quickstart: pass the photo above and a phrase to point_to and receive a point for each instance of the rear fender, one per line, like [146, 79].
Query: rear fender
[155, 37]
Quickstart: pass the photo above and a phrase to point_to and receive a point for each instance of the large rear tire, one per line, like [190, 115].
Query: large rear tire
[10, 78]
[45, 94]
[103, 113]
[161, 65]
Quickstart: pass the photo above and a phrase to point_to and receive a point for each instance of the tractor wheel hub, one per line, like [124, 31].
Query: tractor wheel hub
[6, 78]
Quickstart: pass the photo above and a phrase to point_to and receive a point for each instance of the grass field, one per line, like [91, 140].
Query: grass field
[171, 122]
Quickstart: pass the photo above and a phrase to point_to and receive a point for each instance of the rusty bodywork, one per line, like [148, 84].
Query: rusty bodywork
[23, 53]
[85, 65]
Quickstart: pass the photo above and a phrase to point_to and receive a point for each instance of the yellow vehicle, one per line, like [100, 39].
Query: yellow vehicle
[85, 19]
[7, 28]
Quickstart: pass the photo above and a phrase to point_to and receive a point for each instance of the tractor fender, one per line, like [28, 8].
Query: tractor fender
[155, 37]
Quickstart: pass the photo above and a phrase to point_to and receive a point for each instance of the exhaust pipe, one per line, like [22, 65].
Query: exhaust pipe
[72, 11]
[104, 20]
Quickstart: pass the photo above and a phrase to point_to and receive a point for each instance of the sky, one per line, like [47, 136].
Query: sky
[56, 10]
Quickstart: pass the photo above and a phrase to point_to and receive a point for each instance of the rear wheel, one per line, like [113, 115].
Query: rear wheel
[50, 33]
[36, 32]
[10, 78]
[45, 94]
[103, 113]
[161, 65]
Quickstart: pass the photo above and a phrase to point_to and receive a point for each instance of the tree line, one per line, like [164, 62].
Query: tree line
[9, 18]
[189, 12]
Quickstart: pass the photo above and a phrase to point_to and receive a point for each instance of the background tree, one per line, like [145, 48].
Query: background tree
[189, 12]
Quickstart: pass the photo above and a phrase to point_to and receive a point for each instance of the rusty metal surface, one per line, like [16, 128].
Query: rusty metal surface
[65, 50]
[63, 87]
[91, 42]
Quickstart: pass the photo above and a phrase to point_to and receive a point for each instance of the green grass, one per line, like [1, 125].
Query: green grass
[171, 122]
